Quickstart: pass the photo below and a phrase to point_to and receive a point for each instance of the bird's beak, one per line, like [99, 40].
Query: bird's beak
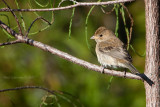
[92, 37]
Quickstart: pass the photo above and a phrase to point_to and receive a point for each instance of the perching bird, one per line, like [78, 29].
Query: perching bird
[111, 52]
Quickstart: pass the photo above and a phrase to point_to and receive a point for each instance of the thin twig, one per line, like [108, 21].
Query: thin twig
[21, 15]
[52, 20]
[130, 16]
[19, 27]
[61, 3]
[68, 7]
[34, 22]
[28, 87]
[10, 43]
[109, 12]
[66, 0]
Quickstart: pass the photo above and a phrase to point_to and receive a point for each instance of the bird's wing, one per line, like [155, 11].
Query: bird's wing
[115, 50]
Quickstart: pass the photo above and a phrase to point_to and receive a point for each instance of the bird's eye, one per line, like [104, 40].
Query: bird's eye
[100, 35]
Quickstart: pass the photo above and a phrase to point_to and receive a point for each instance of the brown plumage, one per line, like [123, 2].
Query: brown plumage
[111, 51]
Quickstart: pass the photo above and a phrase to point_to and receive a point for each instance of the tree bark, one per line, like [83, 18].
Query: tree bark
[152, 52]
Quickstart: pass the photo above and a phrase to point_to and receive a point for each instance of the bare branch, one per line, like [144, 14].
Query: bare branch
[53, 92]
[68, 7]
[79, 61]
[34, 22]
[10, 43]
[19, 27]
[8, 29]
[68, 56]
[29, 87]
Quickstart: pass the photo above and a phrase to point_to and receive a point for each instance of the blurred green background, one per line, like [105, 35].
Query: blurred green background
[24, 65]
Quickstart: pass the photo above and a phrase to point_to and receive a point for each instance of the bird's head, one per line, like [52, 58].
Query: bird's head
[102, 34]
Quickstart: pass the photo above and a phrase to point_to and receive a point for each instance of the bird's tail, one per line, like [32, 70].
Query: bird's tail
[143, 76]
[133, 69]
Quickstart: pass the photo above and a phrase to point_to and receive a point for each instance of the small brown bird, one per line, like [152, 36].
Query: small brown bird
[111, 52]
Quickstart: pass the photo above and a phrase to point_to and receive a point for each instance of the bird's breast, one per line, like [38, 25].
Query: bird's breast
[107, 60]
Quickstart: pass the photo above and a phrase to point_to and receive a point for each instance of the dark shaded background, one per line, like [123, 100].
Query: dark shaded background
[23, 65]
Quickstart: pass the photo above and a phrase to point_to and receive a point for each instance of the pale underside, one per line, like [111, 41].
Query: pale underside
[108, 61]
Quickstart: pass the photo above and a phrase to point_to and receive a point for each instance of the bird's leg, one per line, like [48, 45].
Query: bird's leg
[102, 69]
[125, 70]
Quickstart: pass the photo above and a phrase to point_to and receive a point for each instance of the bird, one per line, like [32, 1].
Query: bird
[112, 52]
